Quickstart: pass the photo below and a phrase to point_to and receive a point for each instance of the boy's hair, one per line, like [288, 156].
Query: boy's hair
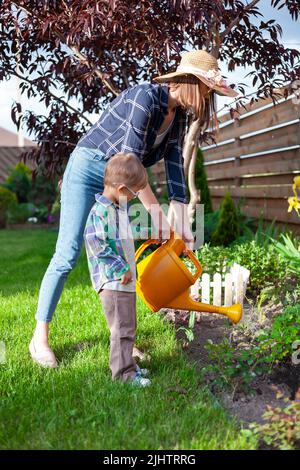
[125, 168]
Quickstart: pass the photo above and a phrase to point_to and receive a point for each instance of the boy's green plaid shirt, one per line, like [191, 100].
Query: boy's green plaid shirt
[107, 259]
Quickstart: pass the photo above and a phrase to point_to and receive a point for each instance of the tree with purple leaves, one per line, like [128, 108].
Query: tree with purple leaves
[83, 52]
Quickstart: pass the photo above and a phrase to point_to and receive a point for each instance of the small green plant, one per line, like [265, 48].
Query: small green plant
[276, 343]
[189, 332]
[230, 368]
[228, 229]
[235, 368]
[282, 427]
[290, 250]
[263, 235]
[7, 198]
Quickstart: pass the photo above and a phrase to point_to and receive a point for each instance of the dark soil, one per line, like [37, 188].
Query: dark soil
[246, 407]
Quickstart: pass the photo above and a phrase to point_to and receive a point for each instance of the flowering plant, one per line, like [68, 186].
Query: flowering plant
[294, 202]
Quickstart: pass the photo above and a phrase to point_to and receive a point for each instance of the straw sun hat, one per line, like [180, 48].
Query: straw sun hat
[204, 66]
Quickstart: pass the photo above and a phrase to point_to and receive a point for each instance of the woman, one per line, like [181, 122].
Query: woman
[149, 120]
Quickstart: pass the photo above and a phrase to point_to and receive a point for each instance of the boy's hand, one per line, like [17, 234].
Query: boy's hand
[126, 277]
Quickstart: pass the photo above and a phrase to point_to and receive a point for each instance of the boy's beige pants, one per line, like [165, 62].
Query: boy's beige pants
[120, 311]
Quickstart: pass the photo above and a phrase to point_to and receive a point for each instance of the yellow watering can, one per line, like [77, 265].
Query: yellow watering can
[164, 280]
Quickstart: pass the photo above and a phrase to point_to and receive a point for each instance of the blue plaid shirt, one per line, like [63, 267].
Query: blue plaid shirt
[130, 124]
[105, 243]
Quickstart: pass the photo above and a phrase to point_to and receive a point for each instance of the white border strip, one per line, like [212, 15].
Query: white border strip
[268, 152]
[220, 144]
[214, 162]
[269, 129]
[251, 155]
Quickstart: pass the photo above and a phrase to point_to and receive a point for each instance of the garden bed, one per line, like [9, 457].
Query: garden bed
[276, 390]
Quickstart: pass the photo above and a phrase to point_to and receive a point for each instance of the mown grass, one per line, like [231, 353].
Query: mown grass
[77, 406]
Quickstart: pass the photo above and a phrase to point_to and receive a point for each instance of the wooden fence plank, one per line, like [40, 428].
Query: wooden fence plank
[271, 213]
[278, 167]
[280, 114]
[279, 138]
[259, 193]
[268, 158]
[269, 180]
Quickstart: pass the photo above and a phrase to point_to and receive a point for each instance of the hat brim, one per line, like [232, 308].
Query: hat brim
[223, 91]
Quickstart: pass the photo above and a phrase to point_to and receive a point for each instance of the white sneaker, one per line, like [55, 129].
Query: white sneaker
[140, 381]
[45, 357]
[142, 372]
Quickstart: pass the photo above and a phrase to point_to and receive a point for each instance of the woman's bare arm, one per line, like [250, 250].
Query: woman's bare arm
[160, 219]
[151, 204]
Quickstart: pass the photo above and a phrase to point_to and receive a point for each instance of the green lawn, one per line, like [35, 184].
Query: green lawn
[77, 406]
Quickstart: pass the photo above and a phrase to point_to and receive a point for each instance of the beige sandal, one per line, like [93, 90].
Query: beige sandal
[45, 357]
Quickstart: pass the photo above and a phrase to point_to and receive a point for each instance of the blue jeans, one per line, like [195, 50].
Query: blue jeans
[82, 179]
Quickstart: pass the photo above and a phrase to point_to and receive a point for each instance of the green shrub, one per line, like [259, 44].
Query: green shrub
[55, 209]
[228, 229]
[41, 213]
[201, 183]
[210, 224]
[43, 191]
[38, 190]
[19, 213]
[19, 181]
[266, 266]
[7, 198]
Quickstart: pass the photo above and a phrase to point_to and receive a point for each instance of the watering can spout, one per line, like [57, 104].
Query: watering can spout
[164, 280]
[184, 302]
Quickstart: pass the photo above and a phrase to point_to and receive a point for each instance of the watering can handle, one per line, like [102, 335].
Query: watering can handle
[142, 248]
[145, 245]
[193, 258]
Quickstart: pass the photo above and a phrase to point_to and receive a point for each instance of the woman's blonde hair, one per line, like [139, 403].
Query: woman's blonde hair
[192, 92]
[125, 168]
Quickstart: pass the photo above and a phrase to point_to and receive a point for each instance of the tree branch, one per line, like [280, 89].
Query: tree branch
[82, 58]
[16, 74]
[236, 21]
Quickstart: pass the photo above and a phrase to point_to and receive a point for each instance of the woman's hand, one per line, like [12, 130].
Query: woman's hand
[165, 225]
[178, 216]
[163, 229]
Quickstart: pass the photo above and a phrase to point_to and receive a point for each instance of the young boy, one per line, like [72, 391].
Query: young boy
[110, 252]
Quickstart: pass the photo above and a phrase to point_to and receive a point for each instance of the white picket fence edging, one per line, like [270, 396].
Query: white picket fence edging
[233, 287]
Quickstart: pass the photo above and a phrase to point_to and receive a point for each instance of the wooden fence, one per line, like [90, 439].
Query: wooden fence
[256, 158]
